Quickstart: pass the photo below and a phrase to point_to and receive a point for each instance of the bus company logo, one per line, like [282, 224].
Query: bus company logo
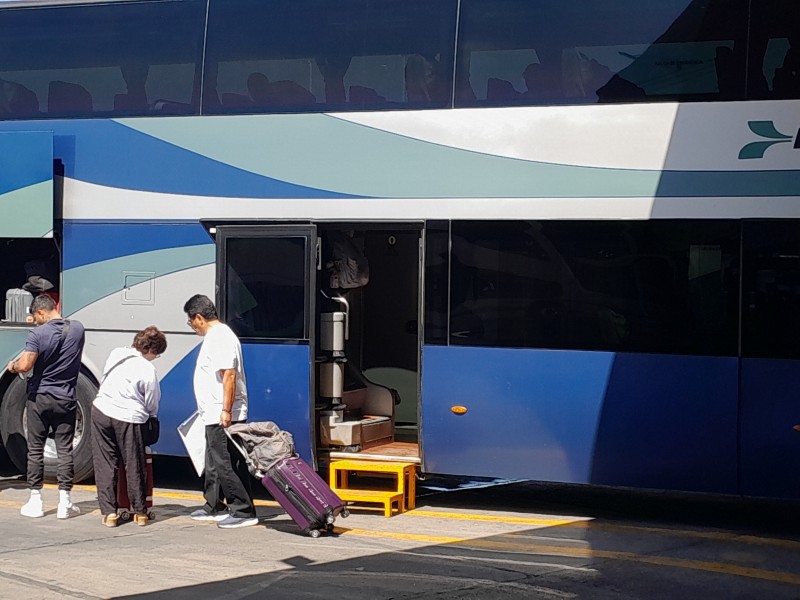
[765, 129]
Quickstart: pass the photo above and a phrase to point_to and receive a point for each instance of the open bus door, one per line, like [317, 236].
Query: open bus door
[266, 278]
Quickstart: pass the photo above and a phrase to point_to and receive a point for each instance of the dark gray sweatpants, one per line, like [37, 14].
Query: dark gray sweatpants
[44, 413]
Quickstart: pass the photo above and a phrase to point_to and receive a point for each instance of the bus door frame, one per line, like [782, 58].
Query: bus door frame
[274, 230]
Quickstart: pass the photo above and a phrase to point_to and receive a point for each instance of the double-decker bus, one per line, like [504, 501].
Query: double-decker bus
[561, 239]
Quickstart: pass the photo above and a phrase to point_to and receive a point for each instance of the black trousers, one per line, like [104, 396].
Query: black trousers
[227, 480]
[113, 442]
[47, 412]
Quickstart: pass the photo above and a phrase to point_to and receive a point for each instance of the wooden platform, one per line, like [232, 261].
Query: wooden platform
[394, 451]
[403, 493]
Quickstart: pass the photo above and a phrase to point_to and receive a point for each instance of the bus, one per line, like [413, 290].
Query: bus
[527, 239]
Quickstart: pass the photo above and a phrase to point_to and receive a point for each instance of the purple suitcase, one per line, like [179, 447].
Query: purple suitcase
[310, 502]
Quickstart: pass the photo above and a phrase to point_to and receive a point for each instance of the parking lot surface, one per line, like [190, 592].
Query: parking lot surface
[503, 541]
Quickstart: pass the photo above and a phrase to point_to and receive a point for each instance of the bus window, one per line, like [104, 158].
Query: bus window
[771, 289]
[265, 298]
[774, 51]
[100, 59]
[309, 55]
[553, 52]
[649, 286]
[437, 288]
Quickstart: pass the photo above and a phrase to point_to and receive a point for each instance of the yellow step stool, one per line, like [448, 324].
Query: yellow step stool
[404, 493]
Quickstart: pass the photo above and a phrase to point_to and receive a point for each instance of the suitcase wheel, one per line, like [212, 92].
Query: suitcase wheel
[329, 527]
[125, 515]
[345, 513]
[329, 519]
[314, 533]
[151, 515]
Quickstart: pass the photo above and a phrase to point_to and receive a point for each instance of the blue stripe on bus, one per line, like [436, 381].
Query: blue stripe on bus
[87, 243]
[26, 159]
[108, 153]
[177, 403]
[653, 421]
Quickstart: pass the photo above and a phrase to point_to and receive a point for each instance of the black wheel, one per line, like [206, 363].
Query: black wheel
[151, 515]
[125, 515]
[13, 427]
[345, 513]
[329, 519]
[329, 527]
[314, 533]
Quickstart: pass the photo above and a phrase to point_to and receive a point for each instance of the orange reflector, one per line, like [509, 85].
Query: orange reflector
[458, 410]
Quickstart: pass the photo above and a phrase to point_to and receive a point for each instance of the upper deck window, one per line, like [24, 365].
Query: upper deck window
[583, 51]
[774, 57]
[312, 55]
[100, 59]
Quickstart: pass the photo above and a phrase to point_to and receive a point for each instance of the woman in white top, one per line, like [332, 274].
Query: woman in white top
[129, 395]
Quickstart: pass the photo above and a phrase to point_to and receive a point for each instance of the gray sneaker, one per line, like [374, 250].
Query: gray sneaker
[201, 515]
[231, 522]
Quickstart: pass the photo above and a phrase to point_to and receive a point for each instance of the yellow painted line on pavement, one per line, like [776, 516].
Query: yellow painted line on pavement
[568, 552]
[540, 549]
[709, 535]
[411, 537]
[581, 522]
[166, 495]
[495, 518]
[589, 523]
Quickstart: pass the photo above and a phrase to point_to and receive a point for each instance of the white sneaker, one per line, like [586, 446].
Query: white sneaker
[65, 511]
[33, 508]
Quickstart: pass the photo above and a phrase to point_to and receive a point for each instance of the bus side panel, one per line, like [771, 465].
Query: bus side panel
[12, 342]
[278, 389]
[670, 422]
[770, 448]
[531, 414]
[177, 403]
[581, 417]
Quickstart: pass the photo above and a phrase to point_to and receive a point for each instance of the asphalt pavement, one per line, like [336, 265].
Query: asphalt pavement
[465, 539]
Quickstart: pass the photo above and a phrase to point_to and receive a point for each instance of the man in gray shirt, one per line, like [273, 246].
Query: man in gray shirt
[53, 351]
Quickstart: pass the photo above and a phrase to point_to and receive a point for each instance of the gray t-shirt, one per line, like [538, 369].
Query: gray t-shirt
[54, 374]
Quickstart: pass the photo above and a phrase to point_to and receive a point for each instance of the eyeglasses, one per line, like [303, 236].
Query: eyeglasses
[190, 321]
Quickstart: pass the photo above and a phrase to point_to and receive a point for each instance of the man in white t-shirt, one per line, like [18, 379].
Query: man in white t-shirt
[220, 389]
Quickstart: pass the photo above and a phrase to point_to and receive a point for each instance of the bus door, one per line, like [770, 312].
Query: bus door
[368, 342]
[266, 276]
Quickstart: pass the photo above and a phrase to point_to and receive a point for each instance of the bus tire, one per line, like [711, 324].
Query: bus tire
[12, 426]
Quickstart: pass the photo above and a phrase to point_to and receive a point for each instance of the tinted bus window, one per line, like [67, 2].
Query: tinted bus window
[771, 289]
[437, 275]
[583, 51]
[266, 298]
[774, 50]
[309, 55]
[651, 286]
[100, 59]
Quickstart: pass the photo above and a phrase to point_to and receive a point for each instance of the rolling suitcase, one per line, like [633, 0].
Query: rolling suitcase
[123, 502]
[18, 304]
[310, 502]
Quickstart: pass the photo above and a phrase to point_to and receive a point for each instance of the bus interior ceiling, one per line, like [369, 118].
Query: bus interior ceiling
[380, 366]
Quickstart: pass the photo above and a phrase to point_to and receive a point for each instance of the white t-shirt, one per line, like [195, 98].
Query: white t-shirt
[129, 391]
[219, 351]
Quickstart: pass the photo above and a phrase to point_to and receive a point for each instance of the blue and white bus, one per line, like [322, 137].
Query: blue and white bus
[581, 221]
